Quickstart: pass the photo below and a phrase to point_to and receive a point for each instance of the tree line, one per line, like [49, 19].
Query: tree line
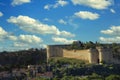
[22, 58]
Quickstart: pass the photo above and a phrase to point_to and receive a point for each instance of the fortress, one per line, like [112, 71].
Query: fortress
[93, 56]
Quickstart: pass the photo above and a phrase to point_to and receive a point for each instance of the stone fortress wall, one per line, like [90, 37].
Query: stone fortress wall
[97, 55]
[84, 54]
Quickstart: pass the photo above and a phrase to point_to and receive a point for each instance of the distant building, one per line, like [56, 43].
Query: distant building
[94, 56]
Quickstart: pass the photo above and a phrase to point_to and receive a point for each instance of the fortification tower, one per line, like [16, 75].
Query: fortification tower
[54, 51]
[93, 56]
[48, 52]
[105, 54]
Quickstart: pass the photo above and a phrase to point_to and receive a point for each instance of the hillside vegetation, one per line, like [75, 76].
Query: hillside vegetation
[73, 69]
[19, 59]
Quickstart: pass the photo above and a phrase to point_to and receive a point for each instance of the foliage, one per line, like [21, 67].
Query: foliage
[78, 45]
[40, 78]
[113, 77]
[65, 68]
[21, 59]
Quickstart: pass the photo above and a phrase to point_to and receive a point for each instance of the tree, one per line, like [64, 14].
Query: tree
[77, 45]
[89, 44]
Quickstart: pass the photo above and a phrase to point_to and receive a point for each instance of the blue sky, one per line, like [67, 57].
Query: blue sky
[36, 23]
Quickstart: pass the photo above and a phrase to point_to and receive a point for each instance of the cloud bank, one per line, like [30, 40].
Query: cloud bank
[113, 33]
[34, 26]
[19, 2]
[95, 4]
[62, 40]
[59, 3]
[87, 15]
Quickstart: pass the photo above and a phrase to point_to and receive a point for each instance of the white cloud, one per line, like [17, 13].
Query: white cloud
[20, 2]
[3, 33]
[72, 23]
[25, 38]
[110, 40]
[25, 41]
[87, 15]
[58, 3]
[62, 2]
[1, 14]
[47, 6]
[62, 40]
[25, 46]
[96, 4]
[112, 10]
[19, 44]
[61, 21]
[113, 32]
[31, 25]
[11, 37]
[66, 34]
[32, 39]
[46, 19]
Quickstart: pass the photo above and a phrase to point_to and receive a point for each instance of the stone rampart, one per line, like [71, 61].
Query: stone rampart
[105, 55]
[97, 55]
[94, 56]
[78, 54]
[54, 51]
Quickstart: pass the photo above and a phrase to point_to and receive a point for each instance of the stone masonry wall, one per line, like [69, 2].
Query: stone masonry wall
[91, 55]
[94, 56]
[78, 54]
[105, 55]
[54, 51]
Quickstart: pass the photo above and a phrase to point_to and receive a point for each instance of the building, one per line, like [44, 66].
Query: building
[94, 56]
